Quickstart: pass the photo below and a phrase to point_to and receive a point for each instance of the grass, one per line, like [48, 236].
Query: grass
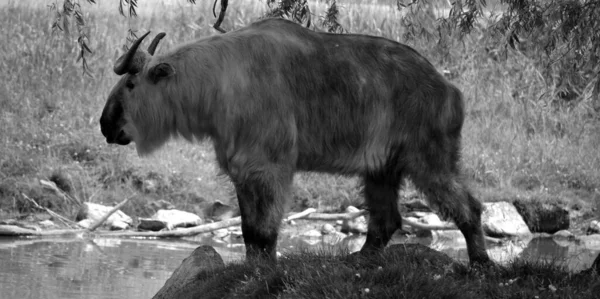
[519, 141]
[412, 271]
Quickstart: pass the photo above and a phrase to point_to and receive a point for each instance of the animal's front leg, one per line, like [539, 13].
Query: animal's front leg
[261, 196]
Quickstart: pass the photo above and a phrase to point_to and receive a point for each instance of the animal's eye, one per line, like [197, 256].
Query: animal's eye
[129, 84]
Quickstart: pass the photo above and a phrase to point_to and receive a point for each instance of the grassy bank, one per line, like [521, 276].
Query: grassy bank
[412, 271]
[519, 142]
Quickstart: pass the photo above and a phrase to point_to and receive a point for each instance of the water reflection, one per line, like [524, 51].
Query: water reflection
[575, 256]
[100, 268]
[129, 268]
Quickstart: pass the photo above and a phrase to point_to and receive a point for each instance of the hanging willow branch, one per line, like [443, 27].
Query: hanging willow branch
[217, 24]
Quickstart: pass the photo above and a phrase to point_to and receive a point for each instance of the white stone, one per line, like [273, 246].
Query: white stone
[502, 219]
[176, 218]
[94, 212]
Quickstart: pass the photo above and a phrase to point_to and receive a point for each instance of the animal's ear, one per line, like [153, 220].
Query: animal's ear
[160, 71]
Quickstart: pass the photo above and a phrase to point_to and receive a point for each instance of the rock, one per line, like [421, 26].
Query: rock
[85, 223]
[94, 212]
[46, 223]
[501, 219]
[563, 235]
[219, 211]
[543, 217]
[327, 229]
[593, 228]
[357, 225]
[184, 283]
[176, 218]
[150, 224]
[119, 225]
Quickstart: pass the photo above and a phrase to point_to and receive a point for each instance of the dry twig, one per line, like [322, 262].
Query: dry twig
[66, 221]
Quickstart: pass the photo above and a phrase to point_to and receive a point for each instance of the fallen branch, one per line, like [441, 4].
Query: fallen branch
[335, 216]
[183, 232]
[300, 215]
[66, 221]
[103, 218]
[424, 226]
[13, 230]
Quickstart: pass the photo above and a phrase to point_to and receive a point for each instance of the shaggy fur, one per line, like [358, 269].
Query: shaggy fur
[276, 98]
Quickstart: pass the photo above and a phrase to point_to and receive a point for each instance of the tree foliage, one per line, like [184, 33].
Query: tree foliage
[563, 35]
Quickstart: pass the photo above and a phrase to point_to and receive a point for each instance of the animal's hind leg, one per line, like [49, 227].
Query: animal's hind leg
[261, 196]
[381, 194]
[454, 200]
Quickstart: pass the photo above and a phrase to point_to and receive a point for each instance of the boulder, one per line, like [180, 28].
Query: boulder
[543, 217]
[169, 219]
[185, 283]
[357, 225]
[94, 212]
[501, 219]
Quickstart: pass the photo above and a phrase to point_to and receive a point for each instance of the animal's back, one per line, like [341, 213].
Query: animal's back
[343, 101]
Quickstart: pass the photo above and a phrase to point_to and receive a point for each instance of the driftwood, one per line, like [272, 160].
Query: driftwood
[335, 216]
[300, 215]
[13, 230]
[424, 226]
[56, 215]
[183, 232]
[308, 214]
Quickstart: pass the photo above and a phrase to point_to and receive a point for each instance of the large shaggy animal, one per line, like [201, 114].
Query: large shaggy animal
[276, 98]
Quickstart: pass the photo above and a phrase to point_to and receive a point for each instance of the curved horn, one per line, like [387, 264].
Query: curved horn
[124, 63]
[154, 43]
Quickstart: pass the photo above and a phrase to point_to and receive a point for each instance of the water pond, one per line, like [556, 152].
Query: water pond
[134, 268]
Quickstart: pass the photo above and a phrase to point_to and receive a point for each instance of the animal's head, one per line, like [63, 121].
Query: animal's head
[134, 109]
